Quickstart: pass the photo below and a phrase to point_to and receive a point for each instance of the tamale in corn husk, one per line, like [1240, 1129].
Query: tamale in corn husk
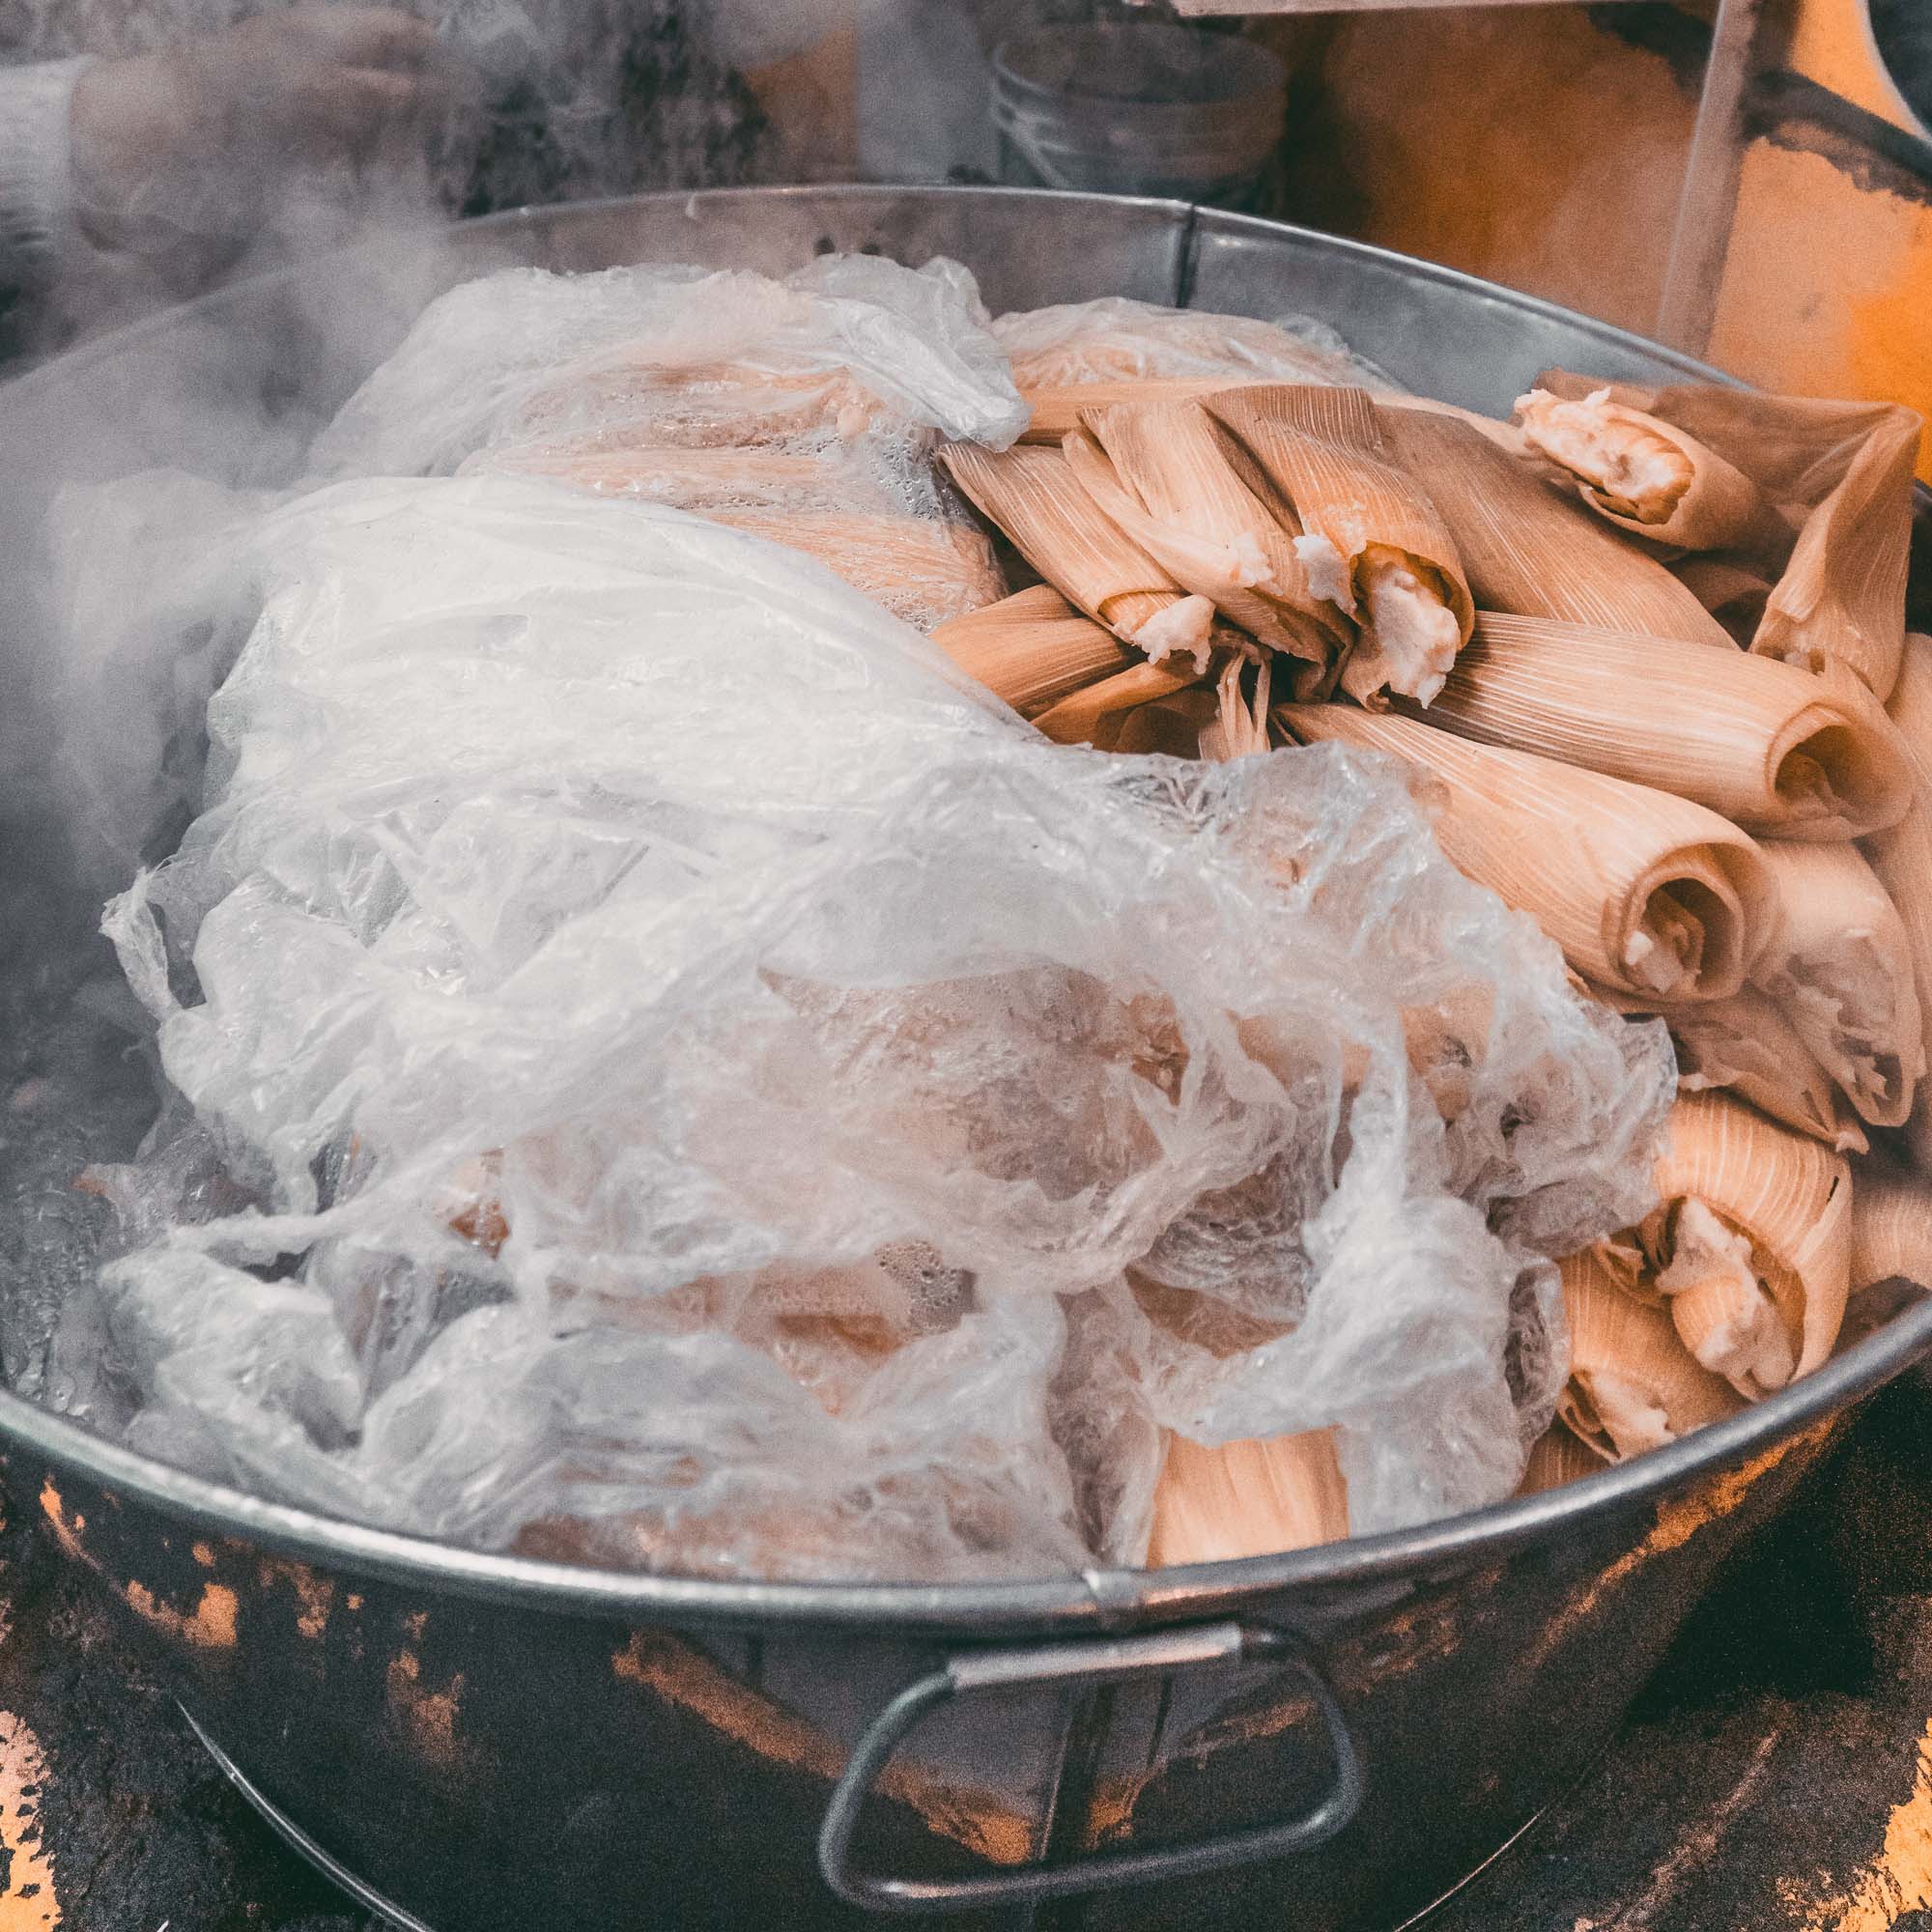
[1644, 891]
[1164, 475]
[1100, 713]
[1841, 473]
[1558, 1456]
[1769, 746]
[1213, 1505]
[1752, 1246]
[1648, 477]
[1745, 1045]
[1033, 649]
[1901, 856]
[1056, 408]
[1033, 496]
[1528, 549]
[1634, 1386]
[1892, 1228]
[1324, 451]
[1839, 965]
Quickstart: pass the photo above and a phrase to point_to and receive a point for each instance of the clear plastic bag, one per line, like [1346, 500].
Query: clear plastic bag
[751, 1106]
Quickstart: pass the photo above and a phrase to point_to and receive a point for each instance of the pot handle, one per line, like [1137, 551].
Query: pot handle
[1100, 1661]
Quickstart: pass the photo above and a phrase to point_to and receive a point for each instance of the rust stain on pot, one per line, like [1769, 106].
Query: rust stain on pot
[315, 1594]
[67, 1531]
[684, 1676]
[1897, 1881]
[209, 1626]
[30, 1902]
[427, 1718]
[204, 1555]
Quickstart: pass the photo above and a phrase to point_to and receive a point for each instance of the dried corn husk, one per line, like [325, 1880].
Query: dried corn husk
[1056, 408]
[1647, 892]
[1099, 715]
[1767, 744]
[1324, 452]
[1648, 477]
[1182, 725]
[1841, 966]
[1247, 1499]
[1733, 593]
[1032, 497]
[1634, 1386]
[1033, 649]
[1164, 477]
[1558, 1456]
[1753, 1243]
[1527, 549]
[1901, 856]
[1841, 474]
[1892, 1228]
[1745, 1045]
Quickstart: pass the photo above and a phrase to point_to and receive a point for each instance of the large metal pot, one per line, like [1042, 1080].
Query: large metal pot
[1323, 1739]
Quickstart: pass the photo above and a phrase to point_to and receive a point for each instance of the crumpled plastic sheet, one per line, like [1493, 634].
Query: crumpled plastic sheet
[670, 1074]
[1118, 339]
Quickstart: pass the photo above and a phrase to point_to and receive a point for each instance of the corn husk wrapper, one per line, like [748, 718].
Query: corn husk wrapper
[1901, 856]
[1839, 963]
[1558, 1456]
[1057, 407]
[1100, 713]
[1746, 1046]
[1324, 452]
[1752, 1247]
[1645, 893]
[1634, 1386]
[1251, 1499]
[1527, 548]
[1033, 649]
[1841, 474]
[1892, 1228]
[1164, 477]
[1733, 593]
[1032, 497]
[1647, 476]
[1767, 744]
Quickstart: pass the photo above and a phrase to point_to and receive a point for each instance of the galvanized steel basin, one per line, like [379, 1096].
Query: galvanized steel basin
[1319, 1741]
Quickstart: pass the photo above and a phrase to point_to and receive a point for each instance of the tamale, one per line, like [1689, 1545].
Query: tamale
[1324, 451]
[1033, 648]
[1841, 473]
[1032, 497]
[1558, 1456]
[1164, 477]
[1892, 1228]
[1056, 408]
[1649, 476]
[1901, 857]
[1839, 964]
[1745, 1045]
[1213, 1505]
[1643, 891]
[1765, 743]
[1529, 549]
[1634, 1386]
[1752, 1246]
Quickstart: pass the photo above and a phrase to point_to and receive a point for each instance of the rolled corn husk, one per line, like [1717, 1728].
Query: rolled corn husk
[1057, 407]
[1033, 649]
[1645, 893]
[1526, 548]
[1324, 451]
[1767, 744]
[1752, 1247]
[1733, 593]
[1051, 521]
[1648, 477]
[1839, 964]
[1098, 714]
[1634, 1386]
[1901, 856]
[1841, 473]
[1892, 1228]
[1212, 1505]
[1165, 477]
[1745, 1045]
[1558, 1456]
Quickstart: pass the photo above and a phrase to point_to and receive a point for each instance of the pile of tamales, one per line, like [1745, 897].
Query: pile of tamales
[1645, 654]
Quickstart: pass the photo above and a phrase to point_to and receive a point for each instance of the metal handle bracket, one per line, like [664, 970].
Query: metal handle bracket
[1105, 1661]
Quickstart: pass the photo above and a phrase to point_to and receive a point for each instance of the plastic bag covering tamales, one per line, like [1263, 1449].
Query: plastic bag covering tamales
[1643, 891]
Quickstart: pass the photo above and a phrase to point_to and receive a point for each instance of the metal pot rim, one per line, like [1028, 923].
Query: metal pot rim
[1093, 1600]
